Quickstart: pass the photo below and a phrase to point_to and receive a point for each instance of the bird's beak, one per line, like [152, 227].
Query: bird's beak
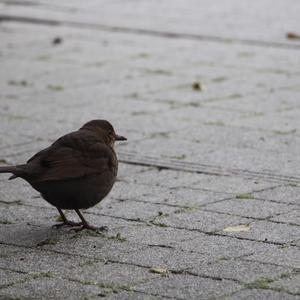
[120, 138]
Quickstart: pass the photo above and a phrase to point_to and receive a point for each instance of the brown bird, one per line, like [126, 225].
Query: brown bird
[76, 172]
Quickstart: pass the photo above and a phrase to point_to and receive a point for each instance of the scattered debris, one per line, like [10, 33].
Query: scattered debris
[244, 196]
[238, 228]
[261, 283]
[197, 86]
[49, 241]
[57, 40]
[18, 82]
[57, 88]
[293, 36]
[159, 270]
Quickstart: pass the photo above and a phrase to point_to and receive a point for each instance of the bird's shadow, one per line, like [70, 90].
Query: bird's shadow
[29, 235]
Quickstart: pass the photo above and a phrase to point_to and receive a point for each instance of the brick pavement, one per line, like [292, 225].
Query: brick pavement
[207, 203]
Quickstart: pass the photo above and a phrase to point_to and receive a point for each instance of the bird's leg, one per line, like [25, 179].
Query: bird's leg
[65, 221]
[86, 225]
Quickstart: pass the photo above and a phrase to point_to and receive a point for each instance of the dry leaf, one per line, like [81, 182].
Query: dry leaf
[159, 270]
[238, 228]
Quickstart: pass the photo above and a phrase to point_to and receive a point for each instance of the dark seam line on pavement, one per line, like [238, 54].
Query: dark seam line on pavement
[149, 32]
[226, 193]
[273, 289]
[294, 270]
[156, 295]
[277, 201]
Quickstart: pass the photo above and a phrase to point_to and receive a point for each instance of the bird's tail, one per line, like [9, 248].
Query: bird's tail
[9, 169]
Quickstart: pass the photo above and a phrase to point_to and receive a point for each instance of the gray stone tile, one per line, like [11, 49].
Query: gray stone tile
[192, 198]
[232, 184]
[245, 118]
[10, 277]
[166, 178]
[190, 287]
[282, 256]
[133, 295]
[33, 261]
[292, 217]
[15, 191]
[269, 231]
[244, 271]
[50, 288]
[223, 247]
[285, 194]
[250, 208]
[103, 273]
[259, 294]
[158, 235]
[290, 284]
[170, 259]
[133, 210]
[21, 214]
[205, 221]
[25, 235]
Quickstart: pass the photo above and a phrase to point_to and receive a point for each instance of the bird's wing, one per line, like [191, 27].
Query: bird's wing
[63, 163]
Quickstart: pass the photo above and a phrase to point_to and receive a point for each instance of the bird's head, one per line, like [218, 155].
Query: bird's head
[105, 131]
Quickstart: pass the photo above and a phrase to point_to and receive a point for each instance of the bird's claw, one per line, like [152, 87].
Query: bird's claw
[67, 224]
[90, 227]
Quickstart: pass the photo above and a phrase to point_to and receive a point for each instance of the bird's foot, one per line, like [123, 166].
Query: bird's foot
[90, 227]
[67, 223]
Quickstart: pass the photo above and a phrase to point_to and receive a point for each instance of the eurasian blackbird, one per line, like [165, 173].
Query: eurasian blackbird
[76, 172]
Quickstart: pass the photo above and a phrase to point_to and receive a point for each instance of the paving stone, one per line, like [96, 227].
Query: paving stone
[96, 247]
[103, 273]
[292, 217]
[166, 178]
[8, 251]
[159, 257]
[250, 207]
[290, 284]
[282, 256]
[157, 235]
[205, 221]
[244, 271]
[220, 247]
[177, 196]
[50, 288]
[16, 191]
[18, 214]
[133, 209]
[258, 294]
[26, 235]
[232, 184]
[191, 287]
[285, 194]
[133, 295]
[269, 231]
[191, 198]
[29, 260]
[139, 74]
[281, 100]
[9, 277]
